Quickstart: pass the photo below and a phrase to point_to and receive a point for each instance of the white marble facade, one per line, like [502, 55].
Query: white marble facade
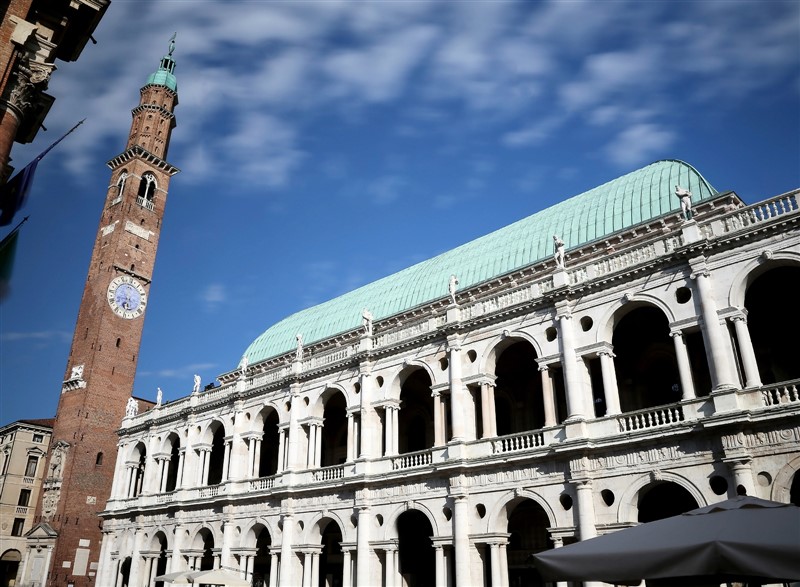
[529, 420]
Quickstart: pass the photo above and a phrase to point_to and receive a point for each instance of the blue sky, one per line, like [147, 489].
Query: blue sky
[326, 144]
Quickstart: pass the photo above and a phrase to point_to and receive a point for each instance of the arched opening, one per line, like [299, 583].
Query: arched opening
[174, 461]
[331, 561]
[663, 500]
[527, 526]
[417, 560]
[415, 420]
[9, 564]
[147, 191]
[518, 393]
[268, 459]
[125, 572]
[206, 540]
[773, 319]
[646, 366]
[334, 431]
[139, 458]
[794, 490]
[261, 562]
[121, 182]
[161, 562]
[217, 456]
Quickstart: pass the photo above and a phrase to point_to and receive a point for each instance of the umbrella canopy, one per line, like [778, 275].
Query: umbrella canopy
[743, 539]
[218, 577]
[176, 578]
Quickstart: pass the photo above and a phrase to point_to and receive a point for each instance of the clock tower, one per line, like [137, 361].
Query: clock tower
[102, 362]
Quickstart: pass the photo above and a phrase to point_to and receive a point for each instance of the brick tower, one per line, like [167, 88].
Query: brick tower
[105, 346]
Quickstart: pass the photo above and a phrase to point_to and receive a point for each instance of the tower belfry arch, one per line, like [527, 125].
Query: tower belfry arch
[102, 361]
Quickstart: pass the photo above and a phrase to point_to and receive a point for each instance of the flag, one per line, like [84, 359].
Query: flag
[15, 192]
[8, 248]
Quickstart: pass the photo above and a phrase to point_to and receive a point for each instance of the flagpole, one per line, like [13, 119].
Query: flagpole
[15, 229]
[47, 150]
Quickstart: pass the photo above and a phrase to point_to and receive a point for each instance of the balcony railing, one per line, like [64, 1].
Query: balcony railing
[145, 203]
[651, 418]
[517, 442]
[262, 483]
[410, 460]
[784, 393]
[328, 473]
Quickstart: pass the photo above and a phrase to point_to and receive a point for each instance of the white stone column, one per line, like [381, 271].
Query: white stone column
[395, 430]
[346, 578]
[287, 577]
[226, 559]
[281, 449]
[238, 453]
[318, 446]
[388, 422]
[752, 377]
[461, 539]
[438, 428]
[226, 460]
[457, 399]
[362, 546]
[610, 389]
[575, 401]
[103, 567]
[176, 560]
[257, 462]
[206, 465]
[438, 550]
[494, 556]
[391, 572]
[118, 486]
[350, 437]
[311, 446]
[721, 366]
[586, 527]
[503, 565]
[274, 568]
[181, 462]
[136, 559]
[371, 430]
[291, 458]
[743, 476]
[684, 366]
[488, 414]
[548, 397]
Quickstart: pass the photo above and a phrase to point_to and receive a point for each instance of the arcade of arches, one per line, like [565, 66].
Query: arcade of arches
[453, 459]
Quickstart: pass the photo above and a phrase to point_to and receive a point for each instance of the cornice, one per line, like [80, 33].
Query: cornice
[137, 152]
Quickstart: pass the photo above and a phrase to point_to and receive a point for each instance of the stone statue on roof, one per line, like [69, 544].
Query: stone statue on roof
[452, 287]
[243, 367]
[558, 252]
[299, 352]
[172, 43]
[686, 202]
[159, 397]
[131, 408]
[196, 386]
[366, 320]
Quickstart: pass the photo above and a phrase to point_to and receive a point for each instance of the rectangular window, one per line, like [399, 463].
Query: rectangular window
[24, 497]
[18, 527]
[38, 437]
[30, 468]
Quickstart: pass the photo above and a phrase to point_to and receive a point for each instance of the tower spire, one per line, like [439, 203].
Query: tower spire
[165, 74]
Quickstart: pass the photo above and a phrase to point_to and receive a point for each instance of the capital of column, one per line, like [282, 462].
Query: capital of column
[606, 353]
[700, 272]
[676, 333]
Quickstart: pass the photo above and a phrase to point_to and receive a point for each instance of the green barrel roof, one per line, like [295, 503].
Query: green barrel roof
[635, 198]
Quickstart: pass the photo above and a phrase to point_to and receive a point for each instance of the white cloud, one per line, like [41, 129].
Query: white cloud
[40, 336]
[213, 295]
[385, 190]
[639, 144]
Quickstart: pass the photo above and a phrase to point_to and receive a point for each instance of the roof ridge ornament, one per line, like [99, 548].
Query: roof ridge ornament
[172, 43]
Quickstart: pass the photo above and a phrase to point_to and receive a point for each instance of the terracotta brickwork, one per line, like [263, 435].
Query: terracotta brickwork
[102, 363]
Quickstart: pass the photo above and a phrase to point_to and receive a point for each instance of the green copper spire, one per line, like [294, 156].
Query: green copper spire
[165, 76]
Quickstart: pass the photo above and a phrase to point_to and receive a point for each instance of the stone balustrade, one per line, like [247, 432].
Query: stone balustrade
[653, 418]
[411, 460]
[783, 393]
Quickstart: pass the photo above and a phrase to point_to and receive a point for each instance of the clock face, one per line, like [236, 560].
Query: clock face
[127, 297]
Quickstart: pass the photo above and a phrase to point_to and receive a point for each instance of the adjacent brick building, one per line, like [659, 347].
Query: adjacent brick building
[33, 34]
